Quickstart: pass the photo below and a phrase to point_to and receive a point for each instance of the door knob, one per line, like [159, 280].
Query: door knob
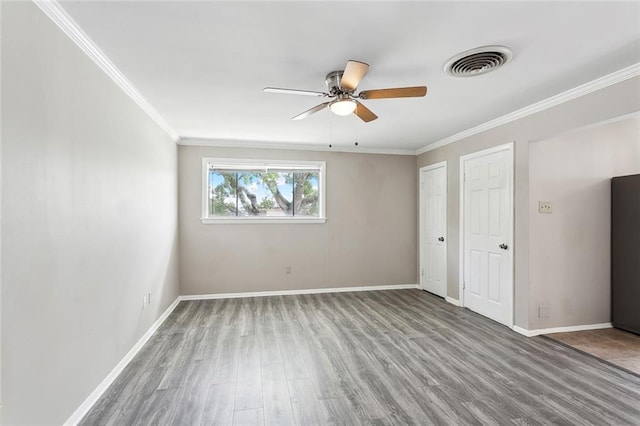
[503, 246]
[441, 239]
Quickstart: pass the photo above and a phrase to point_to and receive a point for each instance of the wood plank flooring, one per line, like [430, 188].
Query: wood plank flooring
[376, 358]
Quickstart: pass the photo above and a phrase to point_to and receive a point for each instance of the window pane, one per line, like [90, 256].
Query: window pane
[222, 193]
[279, 188]
[261, 193]
[249, 198]
[306, 193]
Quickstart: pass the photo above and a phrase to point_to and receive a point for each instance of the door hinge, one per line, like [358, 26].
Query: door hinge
[422, 273]
[464, 285]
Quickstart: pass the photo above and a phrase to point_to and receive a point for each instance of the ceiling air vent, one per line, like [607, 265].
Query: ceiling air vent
[478, 61]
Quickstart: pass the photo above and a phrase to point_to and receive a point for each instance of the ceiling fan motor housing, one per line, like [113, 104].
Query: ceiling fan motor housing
[333, 83]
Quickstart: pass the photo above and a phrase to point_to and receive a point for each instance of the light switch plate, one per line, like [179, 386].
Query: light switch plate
[544, 207]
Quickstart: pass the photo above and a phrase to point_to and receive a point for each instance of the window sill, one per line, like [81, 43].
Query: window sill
[253, 220]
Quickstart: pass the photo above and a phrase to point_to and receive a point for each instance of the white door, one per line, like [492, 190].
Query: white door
[487, 233]
[433, 229]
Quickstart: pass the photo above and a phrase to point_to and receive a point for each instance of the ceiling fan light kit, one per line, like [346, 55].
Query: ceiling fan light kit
[341, 87]
[343, 105]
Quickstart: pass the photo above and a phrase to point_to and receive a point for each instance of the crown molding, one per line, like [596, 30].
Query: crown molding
[61, 18]
[290, 146]
[584, 89]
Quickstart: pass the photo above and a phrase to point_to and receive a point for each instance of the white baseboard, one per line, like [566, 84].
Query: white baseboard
[453, 301]
[104, 385]
[294, 292]
[539, 331]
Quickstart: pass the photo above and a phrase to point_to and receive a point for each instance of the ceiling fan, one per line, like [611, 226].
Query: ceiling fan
[341, 89]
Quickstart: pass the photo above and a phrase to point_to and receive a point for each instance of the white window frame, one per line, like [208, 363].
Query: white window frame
[254, 164]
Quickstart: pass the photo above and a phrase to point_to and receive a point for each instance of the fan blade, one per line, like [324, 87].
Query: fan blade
[398, 92]
[364, 113]
[311, 111]
[353, 73]
[294, 91]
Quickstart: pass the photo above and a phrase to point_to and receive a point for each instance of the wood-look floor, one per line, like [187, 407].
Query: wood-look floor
[377, 358]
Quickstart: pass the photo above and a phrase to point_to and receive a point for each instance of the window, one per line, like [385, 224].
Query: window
[250, 191]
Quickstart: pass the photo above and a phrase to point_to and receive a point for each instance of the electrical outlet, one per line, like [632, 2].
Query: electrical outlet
[287, 270]
[146, 300]
[543, 311]
[544, 207]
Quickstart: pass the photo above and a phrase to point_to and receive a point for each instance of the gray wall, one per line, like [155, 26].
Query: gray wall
[570, 267]
[89, 221]
[369, 237]
[604, 104]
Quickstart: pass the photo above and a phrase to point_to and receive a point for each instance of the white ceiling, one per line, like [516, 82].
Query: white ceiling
[203, 65]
